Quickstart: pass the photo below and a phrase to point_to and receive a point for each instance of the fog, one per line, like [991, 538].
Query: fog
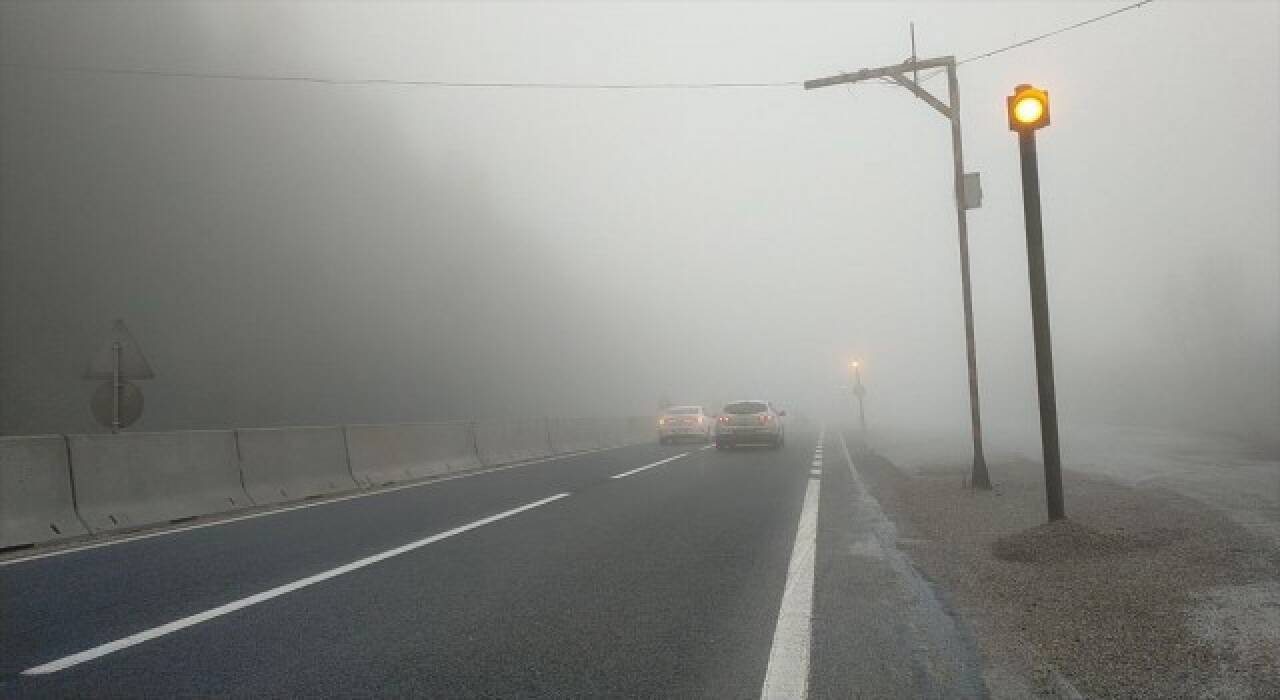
[301, 253]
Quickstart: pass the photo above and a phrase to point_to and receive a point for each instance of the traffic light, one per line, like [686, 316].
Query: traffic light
[1028, 108]
[1028, 111]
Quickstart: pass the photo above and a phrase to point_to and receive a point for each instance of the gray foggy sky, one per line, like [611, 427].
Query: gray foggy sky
[294, 253]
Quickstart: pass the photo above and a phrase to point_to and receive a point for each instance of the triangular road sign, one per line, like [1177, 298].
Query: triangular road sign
[132, 364]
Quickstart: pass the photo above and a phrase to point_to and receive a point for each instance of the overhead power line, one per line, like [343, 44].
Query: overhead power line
[1055, 32]
[252, 77]
[1041, 37]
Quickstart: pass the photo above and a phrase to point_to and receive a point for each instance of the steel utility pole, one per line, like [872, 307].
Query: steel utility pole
[951, 110]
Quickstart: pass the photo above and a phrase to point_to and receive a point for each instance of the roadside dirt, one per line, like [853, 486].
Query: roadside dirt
[1142, 593]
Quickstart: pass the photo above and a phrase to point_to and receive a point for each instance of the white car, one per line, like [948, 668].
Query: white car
[750, 422]
[684, 422]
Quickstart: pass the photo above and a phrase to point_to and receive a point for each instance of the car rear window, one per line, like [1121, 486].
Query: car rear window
[684, 411]
[745, 407]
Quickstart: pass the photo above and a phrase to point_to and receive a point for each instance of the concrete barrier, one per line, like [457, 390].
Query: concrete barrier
[640, 429]
[577, 434]
[287, 464]
[502, 441]
[383, 454]
[610, 431]
[135, 479]
[36, 503]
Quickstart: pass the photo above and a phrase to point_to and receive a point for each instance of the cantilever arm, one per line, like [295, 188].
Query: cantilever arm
[922, 94]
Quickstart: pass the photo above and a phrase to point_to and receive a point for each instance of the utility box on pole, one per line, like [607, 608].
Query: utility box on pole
[972, 190]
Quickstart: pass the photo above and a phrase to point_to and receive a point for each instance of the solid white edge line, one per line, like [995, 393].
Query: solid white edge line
[625, 474]
[300, 506]
[183, 623]
[788, 671]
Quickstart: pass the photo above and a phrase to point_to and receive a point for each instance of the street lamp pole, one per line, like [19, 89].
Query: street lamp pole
[860, 391]
[980, 477]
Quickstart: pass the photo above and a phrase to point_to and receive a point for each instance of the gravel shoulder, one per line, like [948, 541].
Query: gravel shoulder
[1141, 593]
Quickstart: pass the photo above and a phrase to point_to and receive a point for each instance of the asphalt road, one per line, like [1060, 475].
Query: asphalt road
[714, 574]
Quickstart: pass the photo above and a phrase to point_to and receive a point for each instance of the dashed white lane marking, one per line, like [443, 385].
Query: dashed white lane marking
[817, 454]
[624, 475]
[788, 672]
[171, 627]
[313, 504]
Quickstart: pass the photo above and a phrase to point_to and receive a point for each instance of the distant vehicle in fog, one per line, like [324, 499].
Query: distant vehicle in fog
[684, 422]
[750, 423]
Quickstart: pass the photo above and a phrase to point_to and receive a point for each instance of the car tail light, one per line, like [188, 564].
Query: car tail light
[764, 419]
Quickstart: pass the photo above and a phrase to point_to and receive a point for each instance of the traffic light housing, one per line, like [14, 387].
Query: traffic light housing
[1028, 108]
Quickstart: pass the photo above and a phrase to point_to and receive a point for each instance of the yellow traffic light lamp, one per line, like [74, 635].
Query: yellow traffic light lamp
[1028, 108]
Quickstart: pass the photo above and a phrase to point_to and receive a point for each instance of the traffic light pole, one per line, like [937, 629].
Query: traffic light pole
[1040, 324]
[980, 478]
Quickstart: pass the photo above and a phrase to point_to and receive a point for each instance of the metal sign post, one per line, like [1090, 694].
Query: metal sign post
[117, 403]
[115, 388]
